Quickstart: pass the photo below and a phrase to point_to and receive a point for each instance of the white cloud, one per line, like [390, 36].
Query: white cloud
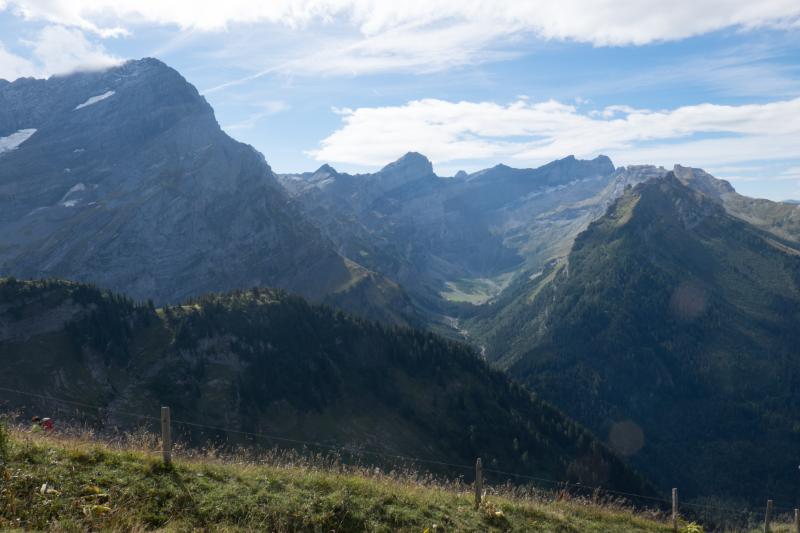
[423, 34]
[55, 50]
[13, 66]
[60, 50]
[533, 133]
[407, 48]
[324, 50]
[601, 22]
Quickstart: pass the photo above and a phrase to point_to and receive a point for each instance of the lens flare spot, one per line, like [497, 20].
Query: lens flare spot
[626, 437]
[688, 301]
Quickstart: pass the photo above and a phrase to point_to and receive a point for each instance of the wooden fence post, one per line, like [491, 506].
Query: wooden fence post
[796, 521]
[768, 517]
[166, 436]
[478, 482]
[675, 510]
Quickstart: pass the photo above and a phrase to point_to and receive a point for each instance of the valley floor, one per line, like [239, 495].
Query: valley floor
[60, 483]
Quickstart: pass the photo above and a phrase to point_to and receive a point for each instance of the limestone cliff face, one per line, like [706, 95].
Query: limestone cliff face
[128, 182]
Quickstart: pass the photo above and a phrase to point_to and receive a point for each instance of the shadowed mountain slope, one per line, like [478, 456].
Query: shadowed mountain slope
[266, 362]
[670, 329]
[123, 178]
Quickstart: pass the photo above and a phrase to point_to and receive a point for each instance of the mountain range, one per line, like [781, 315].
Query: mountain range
[124, 178]
[454, 240]
[657, 307]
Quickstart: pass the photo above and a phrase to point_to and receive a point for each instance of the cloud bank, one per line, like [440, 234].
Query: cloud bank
[54, 50]
[536, 132]
[364, 36]
[600, 22]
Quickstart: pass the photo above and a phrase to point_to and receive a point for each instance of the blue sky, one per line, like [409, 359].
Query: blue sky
[472, 83]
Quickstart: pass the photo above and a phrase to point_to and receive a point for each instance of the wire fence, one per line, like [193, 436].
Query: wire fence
[364, 451]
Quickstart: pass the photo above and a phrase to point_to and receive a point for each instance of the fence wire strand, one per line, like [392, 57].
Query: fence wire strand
[364, 451]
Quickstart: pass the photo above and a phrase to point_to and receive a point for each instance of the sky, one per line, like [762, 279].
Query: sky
[469, 83]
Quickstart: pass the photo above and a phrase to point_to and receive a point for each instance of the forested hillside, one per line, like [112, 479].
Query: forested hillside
[670, 330]
[267, 362]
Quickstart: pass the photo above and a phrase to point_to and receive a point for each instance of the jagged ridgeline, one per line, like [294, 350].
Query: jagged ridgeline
[451, 241]
[263, 361]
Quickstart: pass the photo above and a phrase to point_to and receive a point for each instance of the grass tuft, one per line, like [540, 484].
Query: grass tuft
[75, 483]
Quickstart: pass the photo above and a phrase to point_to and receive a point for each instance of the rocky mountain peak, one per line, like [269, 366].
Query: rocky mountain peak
[669, 198]
[326, 169]
[410, 166]
[600, 165]
[634, 174]
[146, 63]
[703, 181]
[145, 92]
[603, 161]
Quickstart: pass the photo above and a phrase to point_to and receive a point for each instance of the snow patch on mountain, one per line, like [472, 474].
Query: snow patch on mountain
[94, 99]
[15, 139]
[76, 188]
[65, 201]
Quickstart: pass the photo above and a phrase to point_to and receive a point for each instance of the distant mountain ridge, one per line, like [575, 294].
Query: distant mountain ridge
[432, 235]
[458, 240]
[452, 242]
[129, 182]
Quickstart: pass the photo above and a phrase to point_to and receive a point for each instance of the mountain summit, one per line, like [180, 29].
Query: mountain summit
[127, 181]
[413, 165]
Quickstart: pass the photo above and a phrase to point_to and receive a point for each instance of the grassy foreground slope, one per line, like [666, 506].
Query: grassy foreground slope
[63, 484]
